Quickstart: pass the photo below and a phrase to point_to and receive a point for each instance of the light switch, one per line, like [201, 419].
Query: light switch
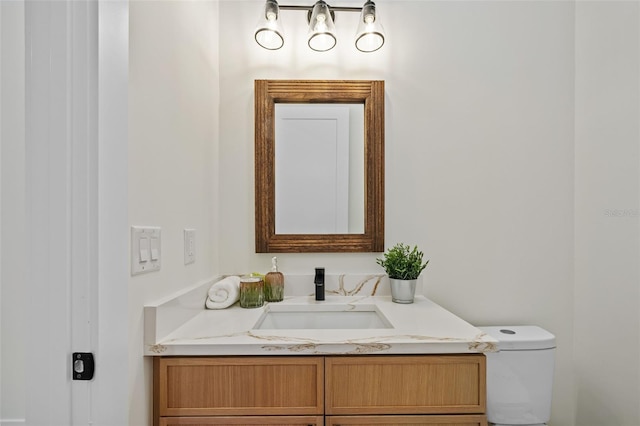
[155, 248]
[146, 250]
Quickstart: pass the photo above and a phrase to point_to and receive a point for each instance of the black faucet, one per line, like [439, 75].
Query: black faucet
[319, 282]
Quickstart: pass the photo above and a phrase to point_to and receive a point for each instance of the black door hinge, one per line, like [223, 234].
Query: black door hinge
[82, 365]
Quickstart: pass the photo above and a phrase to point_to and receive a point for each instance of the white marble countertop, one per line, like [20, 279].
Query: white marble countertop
[422, 327]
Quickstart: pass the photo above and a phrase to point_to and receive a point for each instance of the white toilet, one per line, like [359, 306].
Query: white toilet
[520, 376]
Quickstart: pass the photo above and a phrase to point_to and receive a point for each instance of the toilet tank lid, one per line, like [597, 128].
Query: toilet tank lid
[520, 337]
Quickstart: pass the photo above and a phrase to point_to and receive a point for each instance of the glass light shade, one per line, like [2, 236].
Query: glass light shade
[322, 31]
[370, 34]
[269, 31]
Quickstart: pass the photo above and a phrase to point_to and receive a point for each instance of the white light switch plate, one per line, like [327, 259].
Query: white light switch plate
[189, 246]
[145, 249]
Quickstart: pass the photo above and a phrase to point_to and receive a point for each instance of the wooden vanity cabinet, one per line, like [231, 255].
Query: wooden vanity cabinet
[432, 420]
[434, 390]
[434, 384]
[237, 386]
[243, 420]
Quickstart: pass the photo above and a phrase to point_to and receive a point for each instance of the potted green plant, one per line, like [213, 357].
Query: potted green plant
[403, 265]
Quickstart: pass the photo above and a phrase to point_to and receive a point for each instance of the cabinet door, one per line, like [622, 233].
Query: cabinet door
[247, 420]
[237, 386]
[460, 420]
[428, 384]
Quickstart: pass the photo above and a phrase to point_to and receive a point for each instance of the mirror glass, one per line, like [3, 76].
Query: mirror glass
[319, 166]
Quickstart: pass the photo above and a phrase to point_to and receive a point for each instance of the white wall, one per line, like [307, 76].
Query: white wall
[607, 200]
[12, 211]
[173, 171]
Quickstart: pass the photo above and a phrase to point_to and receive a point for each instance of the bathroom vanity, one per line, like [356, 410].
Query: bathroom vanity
[418, 389]
[420, 365]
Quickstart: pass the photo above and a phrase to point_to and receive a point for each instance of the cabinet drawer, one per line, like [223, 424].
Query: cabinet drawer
[433, 384]
[205, 386]
[247, 420]
[461, 420]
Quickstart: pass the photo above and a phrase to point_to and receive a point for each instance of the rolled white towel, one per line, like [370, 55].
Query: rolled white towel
[223, 293]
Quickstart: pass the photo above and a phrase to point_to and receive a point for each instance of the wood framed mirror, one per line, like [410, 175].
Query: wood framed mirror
[270, 235]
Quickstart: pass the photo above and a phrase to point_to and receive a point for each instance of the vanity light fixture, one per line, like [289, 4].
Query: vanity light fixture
[269, 32]
[322, 31]
[321, 35]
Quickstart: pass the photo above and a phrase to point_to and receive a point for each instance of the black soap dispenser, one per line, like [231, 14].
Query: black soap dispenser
[319, 282]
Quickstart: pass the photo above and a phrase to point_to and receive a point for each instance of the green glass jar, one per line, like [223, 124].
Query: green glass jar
[251, 292]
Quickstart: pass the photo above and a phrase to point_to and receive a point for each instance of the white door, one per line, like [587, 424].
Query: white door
[73, 295]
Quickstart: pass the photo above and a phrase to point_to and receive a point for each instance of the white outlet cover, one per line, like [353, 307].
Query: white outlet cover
[148, 259]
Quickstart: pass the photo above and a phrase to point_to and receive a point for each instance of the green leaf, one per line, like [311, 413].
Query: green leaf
[402, 262]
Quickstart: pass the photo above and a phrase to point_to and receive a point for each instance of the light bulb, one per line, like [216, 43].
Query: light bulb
[269, 31]
[370, 35]
[321, 35]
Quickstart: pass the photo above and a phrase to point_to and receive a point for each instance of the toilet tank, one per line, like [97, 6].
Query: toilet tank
[520, 375]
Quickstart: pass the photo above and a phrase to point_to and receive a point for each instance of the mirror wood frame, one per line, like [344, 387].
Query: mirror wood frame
[367, 92]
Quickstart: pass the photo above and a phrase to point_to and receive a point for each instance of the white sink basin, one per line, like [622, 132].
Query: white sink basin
[321, 316]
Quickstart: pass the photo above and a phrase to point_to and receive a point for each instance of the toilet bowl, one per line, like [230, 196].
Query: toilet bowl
[520, 376]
